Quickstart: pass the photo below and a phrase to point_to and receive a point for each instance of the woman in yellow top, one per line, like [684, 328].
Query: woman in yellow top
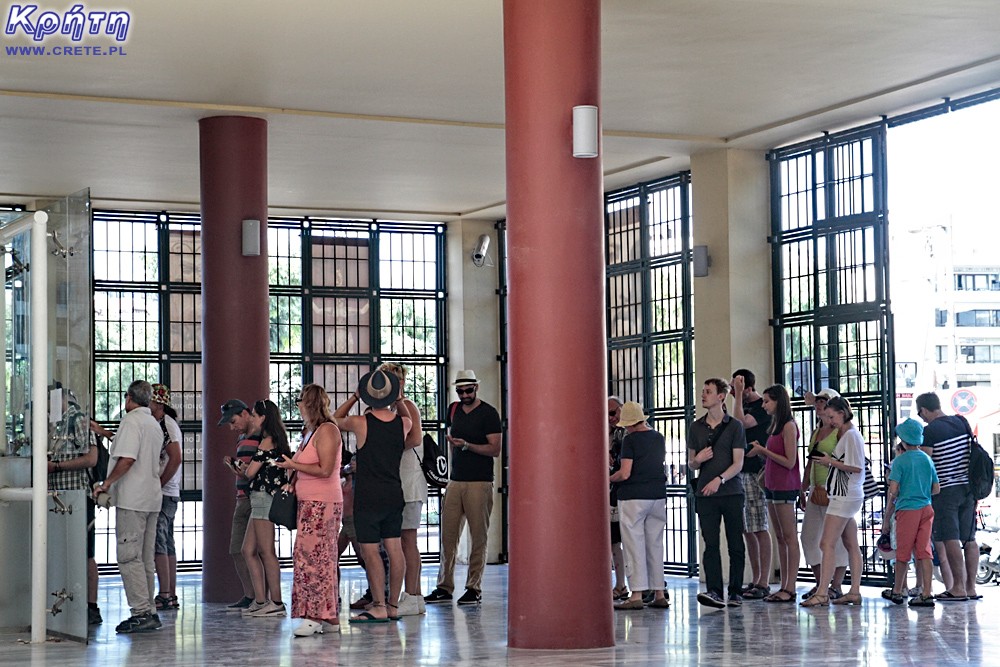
[823, 441]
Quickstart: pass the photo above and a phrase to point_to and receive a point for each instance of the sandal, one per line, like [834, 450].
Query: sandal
[166, 602]
[368, 617]
[808, 594]
[848, 598]
[630, 604]
[816, 600]
[757, 592]
[774, 597]
[390, 616]
[620, 593]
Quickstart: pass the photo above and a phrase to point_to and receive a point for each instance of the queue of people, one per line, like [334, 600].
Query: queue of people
[830, 489]
[384, 485]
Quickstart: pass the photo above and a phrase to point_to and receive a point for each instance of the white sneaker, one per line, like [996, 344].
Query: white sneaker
[421, 604]
[330, 627]
[307, 628]
[408, 605]
[270, 610]
[255, 606]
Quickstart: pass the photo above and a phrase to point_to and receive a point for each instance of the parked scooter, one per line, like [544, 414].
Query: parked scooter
[989, 546]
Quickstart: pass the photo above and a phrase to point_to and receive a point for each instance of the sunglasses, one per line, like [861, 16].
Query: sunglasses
[466, 390]
[612, 413]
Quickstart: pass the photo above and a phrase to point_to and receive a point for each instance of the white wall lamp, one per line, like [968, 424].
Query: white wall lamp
[585, 131]
[251, 238]
[701, 261]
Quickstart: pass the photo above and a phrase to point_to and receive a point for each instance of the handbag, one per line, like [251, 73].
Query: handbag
[284, 510]
[819, 496]
[871, 486]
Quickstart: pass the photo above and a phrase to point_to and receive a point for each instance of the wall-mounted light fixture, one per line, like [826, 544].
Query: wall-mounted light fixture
[251, 238]
[702, 260]
[585, 134]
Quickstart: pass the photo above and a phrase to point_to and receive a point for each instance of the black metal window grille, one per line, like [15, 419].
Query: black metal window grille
[651, 332]
[831, 324]
[335, 314]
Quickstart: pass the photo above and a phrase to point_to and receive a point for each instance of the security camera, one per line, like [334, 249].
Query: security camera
[479, 254]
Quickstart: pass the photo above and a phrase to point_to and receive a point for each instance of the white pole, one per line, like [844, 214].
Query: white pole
[39, 423]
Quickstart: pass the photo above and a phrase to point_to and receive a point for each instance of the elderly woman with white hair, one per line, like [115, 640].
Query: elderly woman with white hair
[642, 493]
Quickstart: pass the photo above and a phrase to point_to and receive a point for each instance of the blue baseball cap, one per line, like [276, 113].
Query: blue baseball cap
[911, 432]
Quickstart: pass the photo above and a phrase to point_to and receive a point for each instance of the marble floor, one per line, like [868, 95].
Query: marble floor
[877, 633]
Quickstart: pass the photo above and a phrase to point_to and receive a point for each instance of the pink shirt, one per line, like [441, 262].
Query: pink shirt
[311, 487]
[776, 476]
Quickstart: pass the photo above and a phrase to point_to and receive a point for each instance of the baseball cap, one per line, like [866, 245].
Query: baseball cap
[230, 409]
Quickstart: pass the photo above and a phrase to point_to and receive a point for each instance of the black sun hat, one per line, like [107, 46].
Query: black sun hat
[378, 389]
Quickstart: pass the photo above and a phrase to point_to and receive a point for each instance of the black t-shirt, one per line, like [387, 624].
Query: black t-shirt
[727, 436]
[646, 481]
[473, 427]
[758, 433]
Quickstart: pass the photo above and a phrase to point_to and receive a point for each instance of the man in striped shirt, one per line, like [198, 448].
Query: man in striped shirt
[947, 442]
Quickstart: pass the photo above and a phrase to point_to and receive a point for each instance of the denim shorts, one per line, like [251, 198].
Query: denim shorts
[779, 497]
[954, 514]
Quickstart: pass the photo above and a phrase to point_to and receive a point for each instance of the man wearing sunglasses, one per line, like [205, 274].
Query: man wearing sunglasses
[475, 442]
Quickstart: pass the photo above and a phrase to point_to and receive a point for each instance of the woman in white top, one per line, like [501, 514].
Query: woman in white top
[845, 486]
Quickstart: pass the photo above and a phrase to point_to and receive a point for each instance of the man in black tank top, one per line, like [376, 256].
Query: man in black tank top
[378, 493]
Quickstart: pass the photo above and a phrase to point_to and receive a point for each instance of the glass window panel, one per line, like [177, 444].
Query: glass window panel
[126, 321]
[112, 378]
[286, 324]
[185, 322]
[341, 325]
[185, 253]
[185, 390]
[409, 326]
[286, 382]
[284, 255]
[125, 248]
[407, 261]
[340, 258]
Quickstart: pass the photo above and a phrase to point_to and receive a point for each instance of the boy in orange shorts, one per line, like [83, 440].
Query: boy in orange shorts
[912, 482]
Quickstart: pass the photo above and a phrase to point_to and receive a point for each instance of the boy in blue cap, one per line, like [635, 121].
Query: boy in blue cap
[912, 482]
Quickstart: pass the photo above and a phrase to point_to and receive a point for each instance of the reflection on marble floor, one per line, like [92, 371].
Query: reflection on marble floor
[878, 633]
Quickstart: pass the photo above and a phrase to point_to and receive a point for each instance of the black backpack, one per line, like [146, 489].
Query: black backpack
[99, 472]
[980, 467]
[434, 464]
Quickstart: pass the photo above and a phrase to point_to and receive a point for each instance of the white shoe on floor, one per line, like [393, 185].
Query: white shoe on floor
[421, 604]
[408, 605]
[307, 628]
[255, 606]
[331, 627]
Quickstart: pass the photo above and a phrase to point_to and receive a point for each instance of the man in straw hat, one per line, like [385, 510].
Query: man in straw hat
[381, 436]
[475, 442]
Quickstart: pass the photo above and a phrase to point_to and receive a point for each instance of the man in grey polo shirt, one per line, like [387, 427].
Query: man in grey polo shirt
[716, 444]
[133, 483]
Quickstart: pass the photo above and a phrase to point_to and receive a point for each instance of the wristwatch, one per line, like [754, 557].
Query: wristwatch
[465, 448]
[722, 480]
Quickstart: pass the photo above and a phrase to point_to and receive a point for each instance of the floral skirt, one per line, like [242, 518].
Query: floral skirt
[315, 588]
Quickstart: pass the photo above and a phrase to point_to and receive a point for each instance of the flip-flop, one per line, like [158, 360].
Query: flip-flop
[366, 617]
[975, 597]
[948, 597]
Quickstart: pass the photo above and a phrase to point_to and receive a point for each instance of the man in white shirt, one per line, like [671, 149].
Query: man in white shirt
[133, 483]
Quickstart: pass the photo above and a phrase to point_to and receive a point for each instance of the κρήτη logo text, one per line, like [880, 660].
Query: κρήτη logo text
[76, 22]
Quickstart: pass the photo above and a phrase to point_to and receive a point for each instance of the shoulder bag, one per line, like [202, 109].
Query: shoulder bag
[817, 494]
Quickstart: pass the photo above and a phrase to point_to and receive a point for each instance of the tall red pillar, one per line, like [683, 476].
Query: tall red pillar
[560, 558]
[234, 326]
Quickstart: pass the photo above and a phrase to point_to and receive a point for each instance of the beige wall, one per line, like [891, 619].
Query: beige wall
[474, 330]
[732, 305]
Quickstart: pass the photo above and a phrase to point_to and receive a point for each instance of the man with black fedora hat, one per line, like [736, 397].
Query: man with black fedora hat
[475, 436]
[378, 492]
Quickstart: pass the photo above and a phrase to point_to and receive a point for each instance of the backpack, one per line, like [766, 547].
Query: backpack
[434, 464]
[980, 467]
[100, 470]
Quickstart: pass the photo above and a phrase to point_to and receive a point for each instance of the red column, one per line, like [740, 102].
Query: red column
[560, 557]
[235, 326]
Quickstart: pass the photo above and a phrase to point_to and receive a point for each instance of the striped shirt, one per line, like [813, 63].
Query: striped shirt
[949, 436]
[246, 446]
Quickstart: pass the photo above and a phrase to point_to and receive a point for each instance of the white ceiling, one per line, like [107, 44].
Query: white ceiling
[685, 75]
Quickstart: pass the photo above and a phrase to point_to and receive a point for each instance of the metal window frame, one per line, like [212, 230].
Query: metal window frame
[164, 287]
[827, 314]
[679, 497]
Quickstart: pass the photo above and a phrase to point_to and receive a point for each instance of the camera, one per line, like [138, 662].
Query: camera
[479, 254]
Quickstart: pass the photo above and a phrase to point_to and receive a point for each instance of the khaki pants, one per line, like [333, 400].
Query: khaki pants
[474, 501]
[135, 533]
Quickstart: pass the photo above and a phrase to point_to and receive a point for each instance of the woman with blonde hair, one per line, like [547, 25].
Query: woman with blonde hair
[315, 585]
[845, 487]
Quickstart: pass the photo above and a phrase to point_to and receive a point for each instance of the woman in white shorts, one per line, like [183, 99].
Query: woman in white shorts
[845, 486]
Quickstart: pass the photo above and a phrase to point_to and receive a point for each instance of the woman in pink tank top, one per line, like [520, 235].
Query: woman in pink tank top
[782, 485]
[315, 586]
